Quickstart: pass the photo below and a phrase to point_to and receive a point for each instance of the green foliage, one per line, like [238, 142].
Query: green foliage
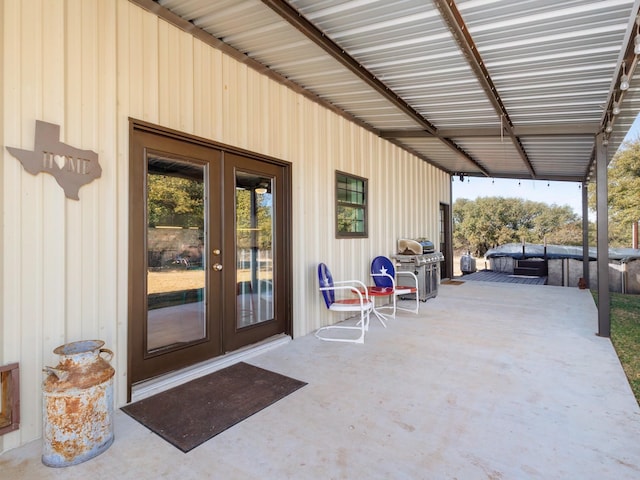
[253, 231]
[487, 222]
[350, 219]
[179, 202]
[175, 201]
[623, 195]
[625, 335]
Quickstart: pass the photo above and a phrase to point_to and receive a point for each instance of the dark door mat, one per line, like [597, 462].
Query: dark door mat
[452, 282]
[192, 413]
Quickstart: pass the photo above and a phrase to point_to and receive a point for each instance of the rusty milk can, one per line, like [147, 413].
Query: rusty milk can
[77, 404]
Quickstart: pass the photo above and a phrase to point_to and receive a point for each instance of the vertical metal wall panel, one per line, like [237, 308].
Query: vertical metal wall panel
[129, 34]
[167, 74]
[90, 66]
[201, 89]
[79, 232]
[10, 175]
[143, 31]
[108, 302]
[22, 220]
[3, 324]
[53, 255]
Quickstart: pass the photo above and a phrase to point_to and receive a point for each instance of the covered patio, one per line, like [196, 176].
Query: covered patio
[539, 90]
[488, 381]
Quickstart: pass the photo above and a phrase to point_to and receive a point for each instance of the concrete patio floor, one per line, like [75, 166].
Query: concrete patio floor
[489, 381]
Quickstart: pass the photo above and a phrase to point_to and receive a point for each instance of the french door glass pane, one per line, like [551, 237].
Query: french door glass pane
[176, 242]
[254, 249]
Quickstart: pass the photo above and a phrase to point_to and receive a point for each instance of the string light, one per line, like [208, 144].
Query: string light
[609, 127]
[624, 79]
[636, 41]
[616, 108]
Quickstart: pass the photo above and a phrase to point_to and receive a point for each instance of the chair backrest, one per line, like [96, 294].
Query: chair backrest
[382, 264]
[326, 280]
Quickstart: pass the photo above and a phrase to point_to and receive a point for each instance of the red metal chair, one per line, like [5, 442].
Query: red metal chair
[385, 277]
[360, 303]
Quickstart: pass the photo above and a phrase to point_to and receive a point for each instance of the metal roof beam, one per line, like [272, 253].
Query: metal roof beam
[545, 178]
[629, 58]
[453, 19]
[588, 129]
[313, 33]
[297, 20]
[550, 130]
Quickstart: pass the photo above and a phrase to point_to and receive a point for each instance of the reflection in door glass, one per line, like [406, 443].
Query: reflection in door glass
[254, 247]
[175, 253]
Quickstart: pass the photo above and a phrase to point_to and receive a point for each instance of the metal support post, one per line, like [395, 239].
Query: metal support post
[604, 320]
[585, 233]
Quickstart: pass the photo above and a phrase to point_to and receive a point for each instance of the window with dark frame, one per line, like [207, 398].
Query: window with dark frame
[351, 206]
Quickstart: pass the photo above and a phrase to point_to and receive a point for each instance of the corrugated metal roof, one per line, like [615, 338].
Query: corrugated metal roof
[480, 87]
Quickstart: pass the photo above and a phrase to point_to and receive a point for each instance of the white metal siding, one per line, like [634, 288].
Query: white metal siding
[90, 65]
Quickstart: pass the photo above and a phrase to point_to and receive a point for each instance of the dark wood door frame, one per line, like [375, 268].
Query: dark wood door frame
[446, 247]
[137, 293]
[235, 337]
[146, 362]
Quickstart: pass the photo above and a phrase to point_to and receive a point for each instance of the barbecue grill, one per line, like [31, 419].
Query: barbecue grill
[420, 257]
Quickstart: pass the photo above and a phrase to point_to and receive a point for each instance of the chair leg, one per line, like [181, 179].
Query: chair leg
[382, 316]
[362, 326]
[360, 339]
[395, 305]
[379, 315]
[413, 310]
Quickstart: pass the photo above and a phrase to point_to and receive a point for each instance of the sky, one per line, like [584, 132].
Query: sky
[560, 193]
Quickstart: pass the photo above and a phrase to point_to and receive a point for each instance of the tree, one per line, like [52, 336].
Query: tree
[253, 229]
[175, 201]
[179, 202]
[491, 221]
[623, 201]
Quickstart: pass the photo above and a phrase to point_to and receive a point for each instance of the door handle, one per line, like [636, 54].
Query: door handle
[217, 266]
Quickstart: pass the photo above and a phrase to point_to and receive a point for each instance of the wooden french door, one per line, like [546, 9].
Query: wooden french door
[208, 252]
[254, 276]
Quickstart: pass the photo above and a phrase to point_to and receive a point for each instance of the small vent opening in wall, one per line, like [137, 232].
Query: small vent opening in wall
[9, 398]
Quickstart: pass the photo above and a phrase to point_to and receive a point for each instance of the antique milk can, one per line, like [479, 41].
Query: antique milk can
[77, 404]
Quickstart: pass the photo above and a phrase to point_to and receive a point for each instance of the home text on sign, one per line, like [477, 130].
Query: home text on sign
[71, 167]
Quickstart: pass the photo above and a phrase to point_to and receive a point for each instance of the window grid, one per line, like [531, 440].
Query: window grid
[351, 206]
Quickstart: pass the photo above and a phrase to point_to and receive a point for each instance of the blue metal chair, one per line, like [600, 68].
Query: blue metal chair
[358, 302]
[384, 275]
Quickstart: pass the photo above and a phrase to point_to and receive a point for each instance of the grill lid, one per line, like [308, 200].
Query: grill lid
[409, 247]
[427, 246]
[415, 247]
